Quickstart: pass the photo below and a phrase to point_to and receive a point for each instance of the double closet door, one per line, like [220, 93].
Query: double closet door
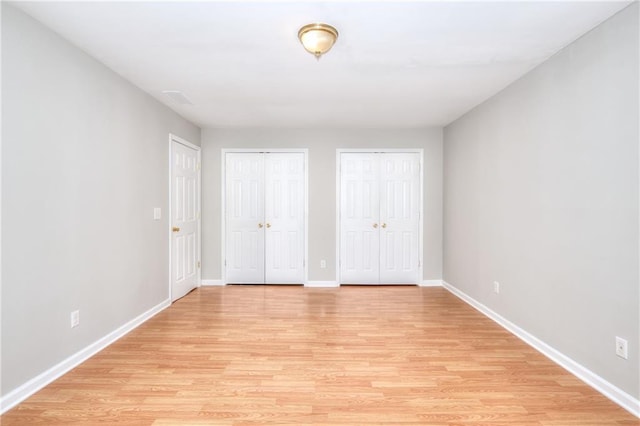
[264, 218]
[380, 218]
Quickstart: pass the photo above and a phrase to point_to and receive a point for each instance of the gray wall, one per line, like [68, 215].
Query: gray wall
[541, 194]
[84, 162]
[322, 145]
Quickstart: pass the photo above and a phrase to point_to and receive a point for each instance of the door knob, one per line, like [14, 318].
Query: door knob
[384, 225]
[268, 225]
[375, 225]
[260, 225]
[175, 229]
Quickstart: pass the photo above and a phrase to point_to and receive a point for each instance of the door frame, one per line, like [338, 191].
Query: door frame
[223, 209]
[419, 151]
[176, 139]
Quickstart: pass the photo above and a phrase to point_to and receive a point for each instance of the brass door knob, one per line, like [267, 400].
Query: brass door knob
[268, 225]
[375, 225]
[175, 229]
[260, 225]
[384, 225]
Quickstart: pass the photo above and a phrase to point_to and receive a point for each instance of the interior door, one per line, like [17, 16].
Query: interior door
[284, 218]
[379, 218]
[245, 224]
[399, 218]
[359, 218]
[265, 218]
[185, 210]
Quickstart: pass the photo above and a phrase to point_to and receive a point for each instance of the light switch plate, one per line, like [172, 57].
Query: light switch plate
[75, 319]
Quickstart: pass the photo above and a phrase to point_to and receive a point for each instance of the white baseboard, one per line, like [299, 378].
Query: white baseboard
[24, 391]
[430, 283]
[606, 388]
[322, 284]
[205, 283]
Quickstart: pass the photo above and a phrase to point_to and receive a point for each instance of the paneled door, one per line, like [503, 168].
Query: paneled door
[185, 216]
[360, 218]
[265, 215]
[284, 218]
[399, 218]
[244, 218]
[379, 218]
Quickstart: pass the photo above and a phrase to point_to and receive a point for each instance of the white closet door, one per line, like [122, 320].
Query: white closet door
[399, 218]
[244, 218]
[380, 218]
[284, 218]
[359, 218]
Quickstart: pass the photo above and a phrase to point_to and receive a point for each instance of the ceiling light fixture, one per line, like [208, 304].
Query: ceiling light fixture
[317, 38]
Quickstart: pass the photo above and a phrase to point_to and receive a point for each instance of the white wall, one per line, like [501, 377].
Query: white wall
[84, 162]
[541, 194]
[322, 145]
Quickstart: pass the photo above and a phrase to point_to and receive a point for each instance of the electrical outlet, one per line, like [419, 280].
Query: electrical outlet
[496, 287]
[75, 319]
[621, 348]
[323, 264]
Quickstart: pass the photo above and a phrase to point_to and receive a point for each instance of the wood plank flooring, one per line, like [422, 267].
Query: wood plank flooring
[255, 355]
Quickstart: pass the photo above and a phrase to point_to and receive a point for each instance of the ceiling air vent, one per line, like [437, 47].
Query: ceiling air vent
[178, 97]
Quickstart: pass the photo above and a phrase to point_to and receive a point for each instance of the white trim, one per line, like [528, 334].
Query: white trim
[173, 138]
[320, 284]
[24, 391]
[338, 185]
[213, 283]
[606, 388]
[430, 283]
[223, 199]
[223, 215]
[383, 150]
[420, 151]
[305, 277]
[183, 142]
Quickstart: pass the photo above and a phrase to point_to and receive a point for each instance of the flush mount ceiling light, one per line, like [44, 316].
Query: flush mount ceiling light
[317, 39]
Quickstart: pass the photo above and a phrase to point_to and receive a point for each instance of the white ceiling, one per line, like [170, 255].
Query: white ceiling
[396, 64]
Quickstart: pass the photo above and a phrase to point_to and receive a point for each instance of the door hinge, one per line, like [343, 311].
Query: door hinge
[198, 166]
[198, 215]
[198, 264]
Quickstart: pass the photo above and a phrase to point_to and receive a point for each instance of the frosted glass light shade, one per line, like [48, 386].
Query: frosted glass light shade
[317, 38]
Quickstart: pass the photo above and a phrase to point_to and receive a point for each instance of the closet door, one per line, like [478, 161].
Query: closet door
[244, 200]
[380, 218]
[399, 218]
[359, 218]
[284, 218]
[265, 218]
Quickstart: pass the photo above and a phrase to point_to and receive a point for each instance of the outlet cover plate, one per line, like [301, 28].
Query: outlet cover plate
[622, 348]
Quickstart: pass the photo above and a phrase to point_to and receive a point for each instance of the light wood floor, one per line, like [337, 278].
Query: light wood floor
[252, 355]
